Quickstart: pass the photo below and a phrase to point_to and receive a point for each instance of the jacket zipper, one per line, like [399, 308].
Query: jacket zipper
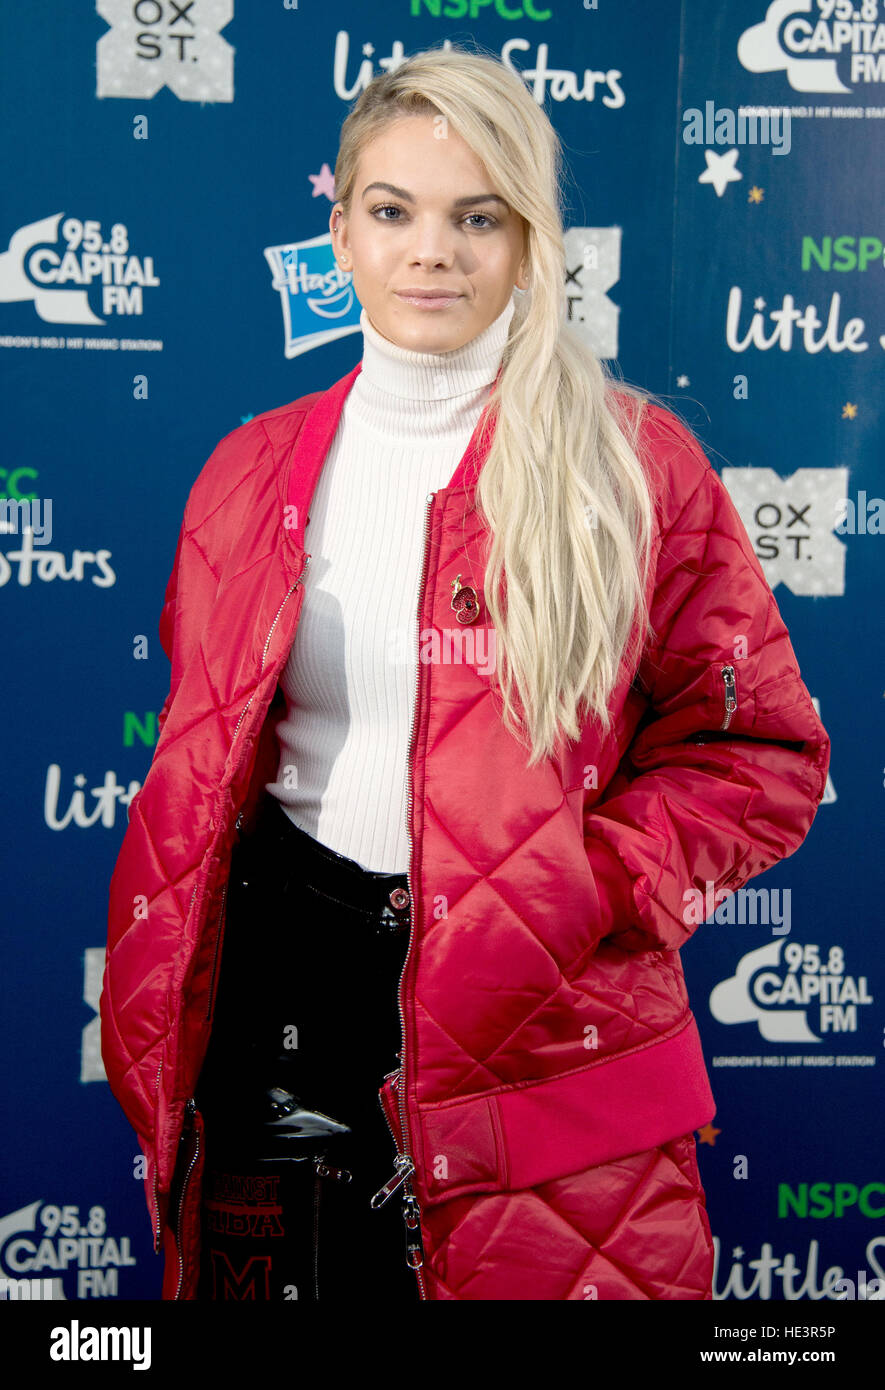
[157, 1232]
[404, 1165]
[307, 559]
[730, 695]
[190, 1110]
[267, 644]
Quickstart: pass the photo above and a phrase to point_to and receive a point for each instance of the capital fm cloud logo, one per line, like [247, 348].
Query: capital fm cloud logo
[60, 264]
[54, 1250]
[794, 993]
[808, 46]
[165, 43]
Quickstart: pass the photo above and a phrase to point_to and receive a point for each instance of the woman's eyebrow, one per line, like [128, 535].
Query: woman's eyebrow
[458, 203]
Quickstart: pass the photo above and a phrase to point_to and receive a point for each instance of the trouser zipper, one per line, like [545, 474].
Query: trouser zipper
[322, 1170]
[316, 1236]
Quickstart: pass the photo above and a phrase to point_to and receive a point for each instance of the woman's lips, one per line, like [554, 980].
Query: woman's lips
[437, 301]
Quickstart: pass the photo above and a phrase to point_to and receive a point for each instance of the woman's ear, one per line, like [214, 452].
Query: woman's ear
[335, 227]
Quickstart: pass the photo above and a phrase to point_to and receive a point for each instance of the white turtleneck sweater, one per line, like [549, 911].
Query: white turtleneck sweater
[352, 673]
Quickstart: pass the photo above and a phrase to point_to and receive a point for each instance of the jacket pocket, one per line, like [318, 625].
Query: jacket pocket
[709, 702]
[523, 1135]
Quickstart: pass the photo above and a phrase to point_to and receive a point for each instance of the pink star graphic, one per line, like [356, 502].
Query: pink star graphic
[323, 182]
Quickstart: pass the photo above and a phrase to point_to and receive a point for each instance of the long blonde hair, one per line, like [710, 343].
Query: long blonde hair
[562, 490]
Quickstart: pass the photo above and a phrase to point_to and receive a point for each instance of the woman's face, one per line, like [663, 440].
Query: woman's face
[428, 229]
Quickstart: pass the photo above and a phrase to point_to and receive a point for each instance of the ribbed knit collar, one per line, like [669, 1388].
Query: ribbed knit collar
[436, 396]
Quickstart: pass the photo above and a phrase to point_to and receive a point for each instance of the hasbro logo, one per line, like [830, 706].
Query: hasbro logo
[318, 299]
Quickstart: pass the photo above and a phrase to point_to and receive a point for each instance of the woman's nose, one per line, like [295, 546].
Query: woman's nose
[433, 245]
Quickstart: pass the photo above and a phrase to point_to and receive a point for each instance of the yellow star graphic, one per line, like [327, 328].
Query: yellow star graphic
[849, 411]
[707, 1135]
[755, 194]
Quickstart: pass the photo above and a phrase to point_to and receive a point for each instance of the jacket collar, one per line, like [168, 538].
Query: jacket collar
[315, 439]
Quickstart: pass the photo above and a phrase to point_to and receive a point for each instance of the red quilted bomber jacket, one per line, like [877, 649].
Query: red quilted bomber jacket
[546, 1024]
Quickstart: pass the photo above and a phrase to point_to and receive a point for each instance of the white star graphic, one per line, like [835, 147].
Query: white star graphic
[720, 170]
[682, 381]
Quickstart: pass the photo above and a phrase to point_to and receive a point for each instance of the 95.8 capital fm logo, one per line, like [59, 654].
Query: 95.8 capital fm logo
[794, 993]
[50, 1251]
[820, 45]
[76, 271]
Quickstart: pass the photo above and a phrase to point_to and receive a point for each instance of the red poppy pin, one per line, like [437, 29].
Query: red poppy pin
[464, 601]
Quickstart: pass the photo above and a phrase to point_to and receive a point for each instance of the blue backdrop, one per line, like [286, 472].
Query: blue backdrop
[166, 273]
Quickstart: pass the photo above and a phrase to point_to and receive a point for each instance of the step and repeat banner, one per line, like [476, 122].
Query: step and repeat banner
[166, 273]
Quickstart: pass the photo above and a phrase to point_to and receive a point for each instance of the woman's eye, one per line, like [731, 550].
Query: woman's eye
[391, 207]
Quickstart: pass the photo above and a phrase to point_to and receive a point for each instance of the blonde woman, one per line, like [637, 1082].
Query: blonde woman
[475, 680]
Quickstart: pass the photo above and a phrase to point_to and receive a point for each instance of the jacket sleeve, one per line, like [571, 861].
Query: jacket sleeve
[703, 801]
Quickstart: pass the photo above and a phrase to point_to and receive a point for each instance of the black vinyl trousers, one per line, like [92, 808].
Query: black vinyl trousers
[306, 1026]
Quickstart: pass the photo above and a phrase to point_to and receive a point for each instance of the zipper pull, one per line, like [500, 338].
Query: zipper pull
[412, 1218]
[325, 1170]
[730, 695]
[404, 1168]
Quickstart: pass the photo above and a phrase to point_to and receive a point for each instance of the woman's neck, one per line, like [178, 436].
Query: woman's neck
[432, 395]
